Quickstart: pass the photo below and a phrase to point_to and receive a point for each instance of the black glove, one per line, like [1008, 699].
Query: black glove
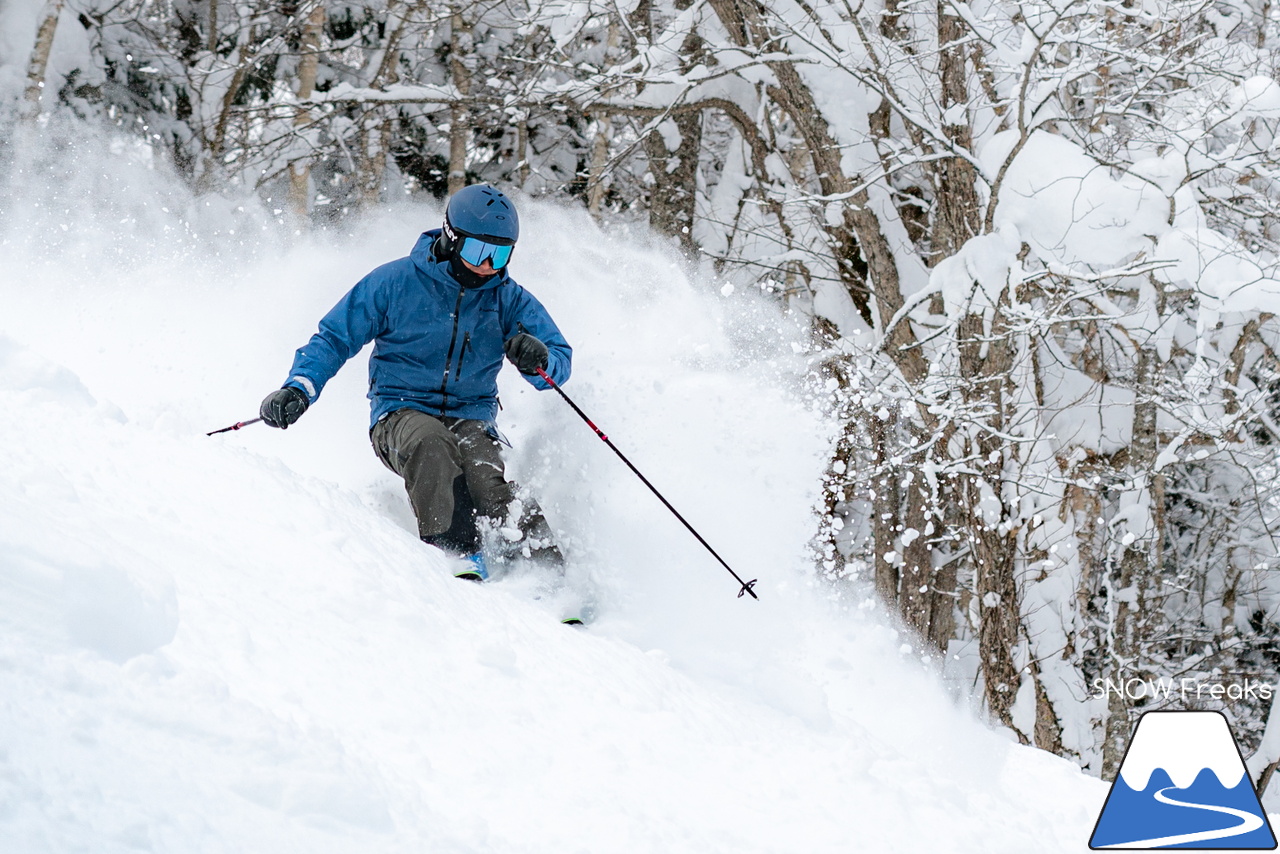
[283, 407]
[526, 353]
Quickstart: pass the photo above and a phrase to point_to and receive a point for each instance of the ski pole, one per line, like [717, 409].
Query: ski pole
[234, 427]
[746, 585]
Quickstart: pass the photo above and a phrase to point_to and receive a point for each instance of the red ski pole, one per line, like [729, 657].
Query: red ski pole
[746, 585]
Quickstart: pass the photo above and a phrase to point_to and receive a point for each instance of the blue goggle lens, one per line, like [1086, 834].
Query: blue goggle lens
[474, 251]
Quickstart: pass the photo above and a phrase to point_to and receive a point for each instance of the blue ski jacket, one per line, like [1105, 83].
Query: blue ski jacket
[438, 346]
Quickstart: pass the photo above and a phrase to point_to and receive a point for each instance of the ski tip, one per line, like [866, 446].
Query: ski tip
[473, 568]
[572, 621]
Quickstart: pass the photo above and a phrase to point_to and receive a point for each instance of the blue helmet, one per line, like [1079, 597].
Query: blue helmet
[481, 211]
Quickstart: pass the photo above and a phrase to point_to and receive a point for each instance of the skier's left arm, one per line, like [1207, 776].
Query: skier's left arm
[529, 316]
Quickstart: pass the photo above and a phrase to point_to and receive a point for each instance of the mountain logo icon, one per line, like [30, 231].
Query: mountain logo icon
[1183, 784]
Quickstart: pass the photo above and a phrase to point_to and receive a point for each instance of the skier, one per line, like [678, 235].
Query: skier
[441, 320]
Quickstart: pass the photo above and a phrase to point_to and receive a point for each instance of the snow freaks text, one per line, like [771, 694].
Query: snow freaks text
[1187, 689]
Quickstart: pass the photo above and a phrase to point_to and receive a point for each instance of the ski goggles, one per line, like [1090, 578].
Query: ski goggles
[475, 251]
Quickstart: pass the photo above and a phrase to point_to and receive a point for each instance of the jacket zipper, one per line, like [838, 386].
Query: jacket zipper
[448, 359]
[462, 354]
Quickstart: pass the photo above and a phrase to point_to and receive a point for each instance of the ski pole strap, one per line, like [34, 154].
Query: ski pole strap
[234, 427]
[746, 586]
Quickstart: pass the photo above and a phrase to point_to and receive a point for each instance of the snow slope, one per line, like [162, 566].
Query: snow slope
[237, 644]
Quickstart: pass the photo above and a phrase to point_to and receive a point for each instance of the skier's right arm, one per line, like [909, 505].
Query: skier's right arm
[357, 319]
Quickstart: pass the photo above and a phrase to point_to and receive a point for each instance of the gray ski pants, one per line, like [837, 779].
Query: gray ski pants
[430, 452]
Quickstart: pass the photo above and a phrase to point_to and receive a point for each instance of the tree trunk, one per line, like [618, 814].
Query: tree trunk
[39, 62]
[954, 180]
[596, 188]
[378, 126]
[839, 480]
[1263, 763]
[216, 146]
[885, 511]
[522, 153]
[673, 168]
[675, 176]
[1048, 728]
[459, 115]
[924, 606]
[1127, 592]
[985, 361]
[599, 162]
[300, 169]
[745, 26]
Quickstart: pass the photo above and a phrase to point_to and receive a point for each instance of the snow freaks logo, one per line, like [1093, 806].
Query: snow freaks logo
[1183, 784]
[1189, 689]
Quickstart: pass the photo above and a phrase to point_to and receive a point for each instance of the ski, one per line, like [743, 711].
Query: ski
[473, 568]
[569, 607]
